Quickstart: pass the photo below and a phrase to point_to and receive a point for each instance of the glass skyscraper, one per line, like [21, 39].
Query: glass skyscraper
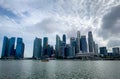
[5, 47]
[64, 38]
[90, 42]
[11, 49]
[83, 44]
[19, 48]
[45, 44]
[78, 41]
[37, 48]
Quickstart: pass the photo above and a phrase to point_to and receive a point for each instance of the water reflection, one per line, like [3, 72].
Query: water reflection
[59, 69]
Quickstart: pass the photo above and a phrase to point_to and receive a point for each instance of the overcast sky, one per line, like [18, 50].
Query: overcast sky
[39, 18]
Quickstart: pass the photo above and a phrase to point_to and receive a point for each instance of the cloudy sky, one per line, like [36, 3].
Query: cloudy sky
[39, 18]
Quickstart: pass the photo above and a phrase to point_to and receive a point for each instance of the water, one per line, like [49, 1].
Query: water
[59, 69]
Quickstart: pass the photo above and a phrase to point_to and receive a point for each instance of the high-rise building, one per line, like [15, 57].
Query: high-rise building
[83, 44]
[116, 51]
[103, 51]
[37, 49]
[78, 41]
[11, 49]
[57, 46]
[69, 51]
[90, 42]
[19, 49]
[64, 38]
[5, 47]
[73, 44]
[96, 48]
[45, 44]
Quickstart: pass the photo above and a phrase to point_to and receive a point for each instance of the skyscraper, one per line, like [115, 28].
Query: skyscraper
[37, 49]
[103, 51]
[64, 38]
[5, 47]
[83, 44]
[90, 42]
[19, 49]
[96, 48]
[116, 51]
[73, 44]
[11, 49]
[57, 46]
[45, 44]
[78, 41]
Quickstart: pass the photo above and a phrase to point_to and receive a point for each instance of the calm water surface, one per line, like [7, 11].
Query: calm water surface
[59, 69]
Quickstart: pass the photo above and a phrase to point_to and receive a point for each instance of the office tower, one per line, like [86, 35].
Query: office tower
[19, 49]
[78, 41]
[57, 46]
[103, 51]
[45, 44]
[5, 47]
[49, 50]
[83, 44]
[96, 48]
[64, 38]
[116, 51]
[69, 51]
[11, 50]
[62, 51]
[37, 49]
[73, 44]
[90, 42]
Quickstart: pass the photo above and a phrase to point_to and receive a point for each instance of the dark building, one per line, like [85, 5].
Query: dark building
[5, 47]
[83, 45]
[45, 44]
[73, 44]
[90, 42]
[103, 51]
[19, 49]
[116, 51]
[64, 38]
[57, 46]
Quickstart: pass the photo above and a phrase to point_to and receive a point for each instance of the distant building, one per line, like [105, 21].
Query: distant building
[90, 42]
[73, 44]
[57, 46]
[45, 44]
[19, 49]
[96, 48]
[116, 51]
[103, 51]
[78, 41]
[69, 51]
[5, 47]
[83, 45]
[64, 38]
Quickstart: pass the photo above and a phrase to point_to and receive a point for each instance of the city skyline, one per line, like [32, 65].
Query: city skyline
[47, 18]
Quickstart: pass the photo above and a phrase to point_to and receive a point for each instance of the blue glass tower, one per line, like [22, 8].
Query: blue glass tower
[103, 51]
[37, 49]
[5, 47]
[57, 46]
[83, 44]
[73, 45]
[11, 50]
[45, 44]
[64, 38]
[19, 49]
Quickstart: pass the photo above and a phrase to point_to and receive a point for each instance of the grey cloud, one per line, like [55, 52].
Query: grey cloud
[110, 24]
